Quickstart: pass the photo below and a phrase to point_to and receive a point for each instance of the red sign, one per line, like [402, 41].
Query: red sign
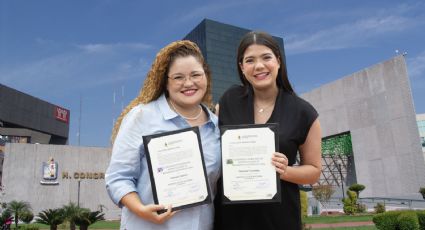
[62, 114]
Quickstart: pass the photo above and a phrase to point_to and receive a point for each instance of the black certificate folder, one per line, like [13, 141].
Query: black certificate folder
[247, 173]
[177, 169]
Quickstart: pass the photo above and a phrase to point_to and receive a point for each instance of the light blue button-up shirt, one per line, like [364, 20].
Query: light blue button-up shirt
[128, 170]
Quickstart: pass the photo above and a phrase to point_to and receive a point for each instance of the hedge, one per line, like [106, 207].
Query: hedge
[400, 220]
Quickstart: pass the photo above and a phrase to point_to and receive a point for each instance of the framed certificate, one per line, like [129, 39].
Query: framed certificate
[248, 174]
[177, 169]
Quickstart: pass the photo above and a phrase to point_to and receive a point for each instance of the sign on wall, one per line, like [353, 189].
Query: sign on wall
[49, 172]
[62, 114]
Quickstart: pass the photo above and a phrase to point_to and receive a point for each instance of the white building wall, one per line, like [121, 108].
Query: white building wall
[376, 106]
[22, 173]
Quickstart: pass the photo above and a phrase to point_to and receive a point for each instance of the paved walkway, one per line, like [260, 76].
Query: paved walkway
[344, 224]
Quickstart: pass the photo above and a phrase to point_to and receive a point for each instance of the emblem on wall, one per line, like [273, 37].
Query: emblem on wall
[49, 170]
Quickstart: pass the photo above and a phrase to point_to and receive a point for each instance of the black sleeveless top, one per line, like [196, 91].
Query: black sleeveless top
[295, 117]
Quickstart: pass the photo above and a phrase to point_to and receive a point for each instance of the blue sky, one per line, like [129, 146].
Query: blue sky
[58, 50]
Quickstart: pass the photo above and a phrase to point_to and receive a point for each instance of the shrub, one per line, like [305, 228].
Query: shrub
[26, 216]
[357, 188]
[52, 217]
[422, 191]
[350, 203]
[408, 221]
[421, 219]
[304, 203]
[387, 220]
[361, 208]
[379, 208]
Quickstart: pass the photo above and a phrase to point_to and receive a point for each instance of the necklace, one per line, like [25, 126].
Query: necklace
[261, 110]
[187, 118]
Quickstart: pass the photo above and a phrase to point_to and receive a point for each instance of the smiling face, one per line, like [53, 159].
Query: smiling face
[187, 82]
[260, 67]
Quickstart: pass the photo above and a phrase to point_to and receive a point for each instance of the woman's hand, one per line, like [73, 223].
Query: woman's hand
[280, 162]
[149, 212]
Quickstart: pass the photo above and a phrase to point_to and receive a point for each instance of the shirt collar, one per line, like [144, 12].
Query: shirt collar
[166, 111]
[169, 114]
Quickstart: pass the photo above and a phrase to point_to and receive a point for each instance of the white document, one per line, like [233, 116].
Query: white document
[246, 159]
[177, 169]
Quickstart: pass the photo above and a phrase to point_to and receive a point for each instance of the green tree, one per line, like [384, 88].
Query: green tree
[16, 208]
[357, 188]
[71, 212]
[323, 194]
[85, 218]
[422, 191]
[51, 217]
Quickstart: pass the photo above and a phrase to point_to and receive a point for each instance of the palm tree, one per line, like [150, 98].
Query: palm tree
[16, 208]
[51, 217]
[86, 218]
[71, 212]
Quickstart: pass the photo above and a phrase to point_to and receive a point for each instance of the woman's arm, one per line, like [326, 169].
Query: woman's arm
[311, 164]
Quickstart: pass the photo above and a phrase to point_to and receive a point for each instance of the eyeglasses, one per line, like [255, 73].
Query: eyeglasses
[194, 77]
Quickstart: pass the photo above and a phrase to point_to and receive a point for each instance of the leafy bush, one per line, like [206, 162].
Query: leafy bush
[408, 221]
[422, 191]
[387, 220]
[357, 188]
[400, 220]
[350, 203]
[85, 218]
[304, 203]
[379, 208]
[26, 216]
[421, 219]
[52, 217]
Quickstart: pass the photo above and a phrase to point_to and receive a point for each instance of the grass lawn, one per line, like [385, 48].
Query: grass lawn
[98, 225]
[351, 228]
[337, 219]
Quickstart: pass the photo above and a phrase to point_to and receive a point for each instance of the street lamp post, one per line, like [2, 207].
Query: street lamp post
[78, 194]
[342, 178]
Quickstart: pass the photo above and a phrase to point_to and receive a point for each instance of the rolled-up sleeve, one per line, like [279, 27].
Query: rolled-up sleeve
[124, 167]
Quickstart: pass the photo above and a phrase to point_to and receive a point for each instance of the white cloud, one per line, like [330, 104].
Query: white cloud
[99, 47]
[87, 67]
[416, 66]
[347, 35]
[355, 32]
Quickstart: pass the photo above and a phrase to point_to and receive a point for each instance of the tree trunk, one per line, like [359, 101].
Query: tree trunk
[53, 227]
[84, 227]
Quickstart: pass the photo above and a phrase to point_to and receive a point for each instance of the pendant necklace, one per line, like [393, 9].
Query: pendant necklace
[261, 110]
[187, 118]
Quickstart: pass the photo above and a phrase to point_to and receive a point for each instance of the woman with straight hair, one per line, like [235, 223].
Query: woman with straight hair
[266, 96]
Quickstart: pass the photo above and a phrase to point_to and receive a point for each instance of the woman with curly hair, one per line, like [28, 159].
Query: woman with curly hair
[176, 95]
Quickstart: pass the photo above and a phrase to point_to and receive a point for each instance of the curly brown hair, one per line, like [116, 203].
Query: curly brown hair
[156, 80]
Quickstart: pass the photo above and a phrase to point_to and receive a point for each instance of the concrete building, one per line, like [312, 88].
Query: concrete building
[420, 118]
[375, 106]
[78, 178]
[26, 119]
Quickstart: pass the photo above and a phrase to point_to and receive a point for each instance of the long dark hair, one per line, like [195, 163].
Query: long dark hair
[265, 39]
